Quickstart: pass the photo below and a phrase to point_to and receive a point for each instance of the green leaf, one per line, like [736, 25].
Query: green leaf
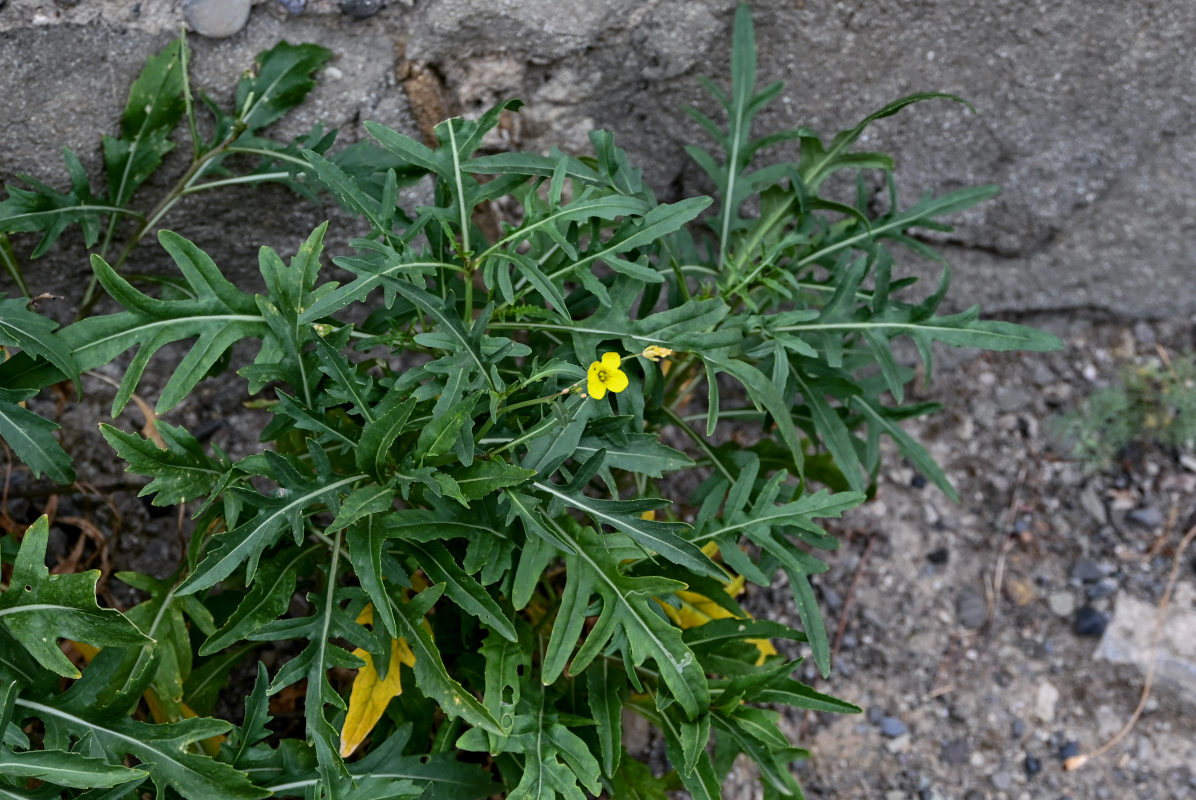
[656, 537]
[634, 781]
[162, 750]
[430, 673]
[220, 316]
[441, 433]
[181, 473]
[764, 393]
[39, 608]
[919, 458]
[273, 587]
[483, 477]
[390, 420]
[63, 768]
[591, 568]
[460, 587]
[367, 540]
[46, 210]
[33, 333]
[818, 163]
[606, 685]
[658, 223]
[635, 452]
[346, 190]
[362, 502]
[284, 76]
[505, 661]
[154, 108]
[247, 541]
[203, 685]
[32, 437]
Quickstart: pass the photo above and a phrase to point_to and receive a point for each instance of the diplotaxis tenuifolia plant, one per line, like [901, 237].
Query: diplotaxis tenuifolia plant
[473, 486]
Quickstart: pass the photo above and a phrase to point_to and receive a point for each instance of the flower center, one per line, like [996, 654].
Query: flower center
[602, 375]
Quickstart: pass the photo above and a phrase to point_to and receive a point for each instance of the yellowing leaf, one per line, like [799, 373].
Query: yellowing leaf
[695, 609]
[370, 694]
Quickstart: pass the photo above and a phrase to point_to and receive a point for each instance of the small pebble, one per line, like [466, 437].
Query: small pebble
[918, 481]
[939, 556]
[1090, 622]
[1068, 750]
[898, 745]
[217, 19]
[895, 794]
[974, 794]
[875, 714]
[1033, 765]
[1102, 588]
[1002, 780]
[361, 9]
[892, 727]
[1063, 604]
[1148, 517]
[294, 6]
[1018, 729]
[1144, 333]
[955, 752]
[1085, 570]
[970, 610]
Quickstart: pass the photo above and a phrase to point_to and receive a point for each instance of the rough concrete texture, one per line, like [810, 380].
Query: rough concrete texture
[1086, 110]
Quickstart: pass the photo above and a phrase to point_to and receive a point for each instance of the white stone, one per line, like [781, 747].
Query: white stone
[1062, 604]
[1127, 641]
[217, 19]
[1045, 701]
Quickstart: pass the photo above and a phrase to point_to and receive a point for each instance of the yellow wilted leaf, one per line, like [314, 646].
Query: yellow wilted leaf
[370, 694]
[697, 609]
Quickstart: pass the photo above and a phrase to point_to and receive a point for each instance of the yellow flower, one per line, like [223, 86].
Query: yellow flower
[656, 352]
[605, 374]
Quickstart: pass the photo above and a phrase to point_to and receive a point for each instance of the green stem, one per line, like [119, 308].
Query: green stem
[180, 188]
[702, 444]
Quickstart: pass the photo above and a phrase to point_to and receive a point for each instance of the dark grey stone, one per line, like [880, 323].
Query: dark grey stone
[970, 609]
[1090, 622]
[1148, 517]
[1086, 570]
[892, 727]
[362, 9]
[1102, 588]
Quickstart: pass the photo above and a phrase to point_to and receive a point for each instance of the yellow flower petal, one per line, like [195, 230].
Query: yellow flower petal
[594, 384]
[617, 381]
[611, 360]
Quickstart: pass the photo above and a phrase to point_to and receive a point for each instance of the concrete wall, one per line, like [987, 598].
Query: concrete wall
[1087, 111]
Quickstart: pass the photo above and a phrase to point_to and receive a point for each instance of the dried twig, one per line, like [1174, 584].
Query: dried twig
[993, 591]
[1075, 762]
[855, 581]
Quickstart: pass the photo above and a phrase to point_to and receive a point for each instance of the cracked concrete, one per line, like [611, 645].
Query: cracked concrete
[1085, 111]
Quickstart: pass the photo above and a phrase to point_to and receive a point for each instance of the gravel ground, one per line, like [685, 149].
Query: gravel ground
[974, 693]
